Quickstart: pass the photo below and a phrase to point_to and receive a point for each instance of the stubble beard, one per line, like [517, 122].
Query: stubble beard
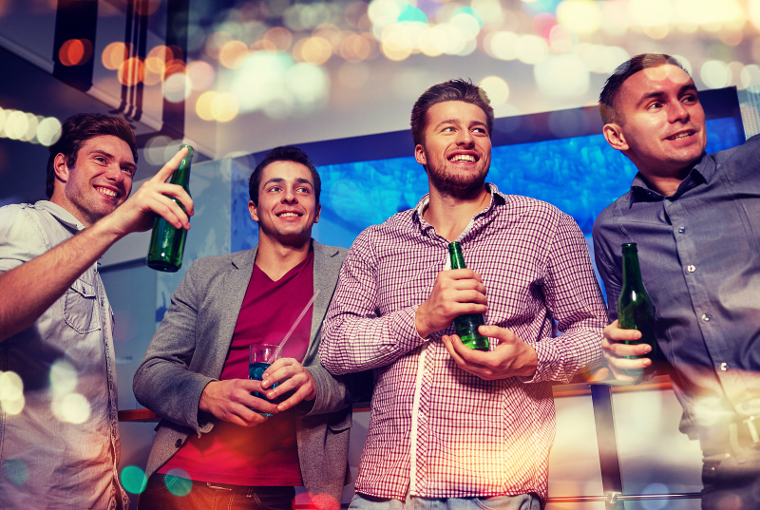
[457, 185]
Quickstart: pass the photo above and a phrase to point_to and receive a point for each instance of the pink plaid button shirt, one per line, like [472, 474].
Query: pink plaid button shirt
[436, 430]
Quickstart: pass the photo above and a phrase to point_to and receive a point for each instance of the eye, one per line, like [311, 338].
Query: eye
[303, 189]
[275, 189]
[689, 99]
[100, 159]
[130, 171]
[448, 129]
[656, 105]
[480, 130]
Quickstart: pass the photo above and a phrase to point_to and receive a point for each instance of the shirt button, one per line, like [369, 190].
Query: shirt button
[724, 366]
[705, 317]
[691, 269]
[681, 230]
[178, 443]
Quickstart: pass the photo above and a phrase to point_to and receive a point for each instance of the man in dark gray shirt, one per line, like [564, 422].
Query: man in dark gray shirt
[696, 221]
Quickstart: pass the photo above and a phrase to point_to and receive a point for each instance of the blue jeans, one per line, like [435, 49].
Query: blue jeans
[160, 494]
[521, 502]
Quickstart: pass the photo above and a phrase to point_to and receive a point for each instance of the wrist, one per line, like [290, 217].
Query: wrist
[419, 322]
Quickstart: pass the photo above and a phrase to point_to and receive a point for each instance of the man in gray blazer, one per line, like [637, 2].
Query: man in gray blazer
[216, 444]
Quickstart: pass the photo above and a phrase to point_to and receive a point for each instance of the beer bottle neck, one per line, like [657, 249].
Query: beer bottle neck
[457, 259]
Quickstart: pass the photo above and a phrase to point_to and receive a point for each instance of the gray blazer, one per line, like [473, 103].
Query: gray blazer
[188, 351]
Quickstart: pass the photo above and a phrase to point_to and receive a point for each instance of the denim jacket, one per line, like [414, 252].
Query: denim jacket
[59, 436]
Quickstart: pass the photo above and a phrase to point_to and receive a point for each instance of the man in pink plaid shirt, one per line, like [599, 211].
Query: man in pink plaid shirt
[452, 428]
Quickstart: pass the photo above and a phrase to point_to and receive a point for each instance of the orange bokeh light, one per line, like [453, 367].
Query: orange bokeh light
[75, 52]
[281, 37]
[114, 54]
[131, 72]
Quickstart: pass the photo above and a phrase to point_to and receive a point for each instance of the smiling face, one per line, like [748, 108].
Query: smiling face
[287, 207]
[99, 181]
[662, 124]
[456, 149]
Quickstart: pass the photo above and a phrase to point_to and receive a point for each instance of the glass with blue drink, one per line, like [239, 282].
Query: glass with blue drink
[260, 357]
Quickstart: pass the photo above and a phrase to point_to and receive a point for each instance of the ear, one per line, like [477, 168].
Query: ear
[615, 136]
[254, 211]
[61, 168]
[419, 154]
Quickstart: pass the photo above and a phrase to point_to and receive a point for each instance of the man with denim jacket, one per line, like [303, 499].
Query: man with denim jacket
[59, 436]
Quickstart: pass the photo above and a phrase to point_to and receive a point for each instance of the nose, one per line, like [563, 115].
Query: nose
[115, 173]
[465, 138]
[289, 197]
[678, 112]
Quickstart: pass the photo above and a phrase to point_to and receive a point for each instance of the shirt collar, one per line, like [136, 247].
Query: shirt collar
[61, 214]
[700, 173]
[497, 199]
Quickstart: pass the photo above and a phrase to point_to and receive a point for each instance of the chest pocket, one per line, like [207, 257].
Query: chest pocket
[80, 307]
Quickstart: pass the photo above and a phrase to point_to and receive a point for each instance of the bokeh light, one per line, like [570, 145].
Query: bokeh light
[580, 16]
[177, 87]
[201, 75]
[562, 76]
[715, 74]
[531, 49]
[11, 392]
[280, 37]
[131, 72]
[233, 54]
[178, 482]
[16, 126]
[63, 378]
[48, 131]
[16, 471]
[114, 54]
[133, 479]
[496, 89]
[154, 149]
[224, 107]
[71, 408]
[75, 52]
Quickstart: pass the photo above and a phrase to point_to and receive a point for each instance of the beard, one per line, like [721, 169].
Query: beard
[456, 185]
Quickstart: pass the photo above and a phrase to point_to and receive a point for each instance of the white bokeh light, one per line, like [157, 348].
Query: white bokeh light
[562, 76]
[715, 74]
[497, 90]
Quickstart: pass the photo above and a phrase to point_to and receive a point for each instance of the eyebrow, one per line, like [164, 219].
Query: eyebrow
[689, 87]
[458, 121]
[279, 180]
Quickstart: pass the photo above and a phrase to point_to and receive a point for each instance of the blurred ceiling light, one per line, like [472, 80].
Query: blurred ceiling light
[502, 45]
[291, 18]
[650, 13]
[75, 52]
[497, 90]
[233, 54]
[263, 45]
[261, 79]
[434, 41]
[72, 408]
[657, 31]
[308, 83]
[561, 39]
[467, 22]
[489, 12]
[715, 74]
[750, 76]
[31, 131]
[708, 12]
[201, 74]
[216, 42]
[394, 43]
[542, 23]
[731, 37]
[154, 149]
[177, 87]
[562, 76]
[114, 54]
[224, 107]
[383, 13]
[614, 18]
[583, 17]
[48, 131]
[736, 69]
[355, 48]
[531, 49]
[354, 12]
[316, 50]
[203, 105]
[280, 37]
[131, 72]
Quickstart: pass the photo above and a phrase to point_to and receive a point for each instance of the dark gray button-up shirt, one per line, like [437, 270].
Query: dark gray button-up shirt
[699, 251]
[59, 435]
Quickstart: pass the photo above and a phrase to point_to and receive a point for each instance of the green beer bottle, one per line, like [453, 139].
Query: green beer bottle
[167, 242]
[466, 326]
[635, 307]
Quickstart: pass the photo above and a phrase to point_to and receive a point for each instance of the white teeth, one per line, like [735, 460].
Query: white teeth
[108, 192]
[680, 135]
[288, 215]
[463, 157]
